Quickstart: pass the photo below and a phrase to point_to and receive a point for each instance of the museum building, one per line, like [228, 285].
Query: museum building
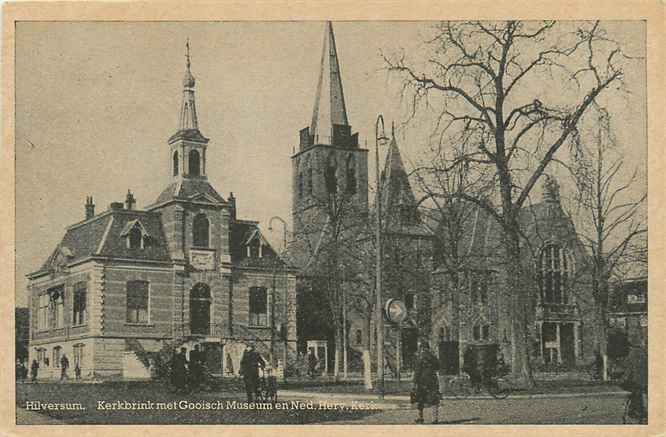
[183, 271]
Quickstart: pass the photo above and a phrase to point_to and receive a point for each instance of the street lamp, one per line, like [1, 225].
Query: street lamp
[378, 250]
[286, 304]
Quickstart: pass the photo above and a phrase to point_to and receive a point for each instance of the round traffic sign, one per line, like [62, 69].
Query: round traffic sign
[395, 310]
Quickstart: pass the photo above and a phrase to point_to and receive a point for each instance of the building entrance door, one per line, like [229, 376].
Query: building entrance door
[213, 357]
[567, 344]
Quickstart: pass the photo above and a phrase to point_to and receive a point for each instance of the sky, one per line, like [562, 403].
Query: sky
[96, 103]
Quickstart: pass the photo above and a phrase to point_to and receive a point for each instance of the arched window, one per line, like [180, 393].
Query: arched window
[351, 175]
[175, 163]
[200, 309]
[329, 175]
[200, 234]
[194, 166]
[135, 238]
[553, 274]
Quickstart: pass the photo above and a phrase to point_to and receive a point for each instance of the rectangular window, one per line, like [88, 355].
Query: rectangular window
[79, 308]
[41, 355]
[43, 312]
[56, 356]
[137, 302]
[258, 306]
[78, 355]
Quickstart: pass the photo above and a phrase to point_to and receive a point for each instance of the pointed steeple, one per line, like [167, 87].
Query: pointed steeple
[188, 122]
[398, 200]
[329, 123]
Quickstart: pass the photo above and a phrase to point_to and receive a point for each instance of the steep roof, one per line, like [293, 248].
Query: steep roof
[102, 235]
[399, 207]
[329, 107]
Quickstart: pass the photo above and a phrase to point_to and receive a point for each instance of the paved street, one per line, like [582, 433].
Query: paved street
[309, 408]
[576, 410]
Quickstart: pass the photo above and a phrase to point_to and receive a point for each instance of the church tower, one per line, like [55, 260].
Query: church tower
[330, 170]
[188, 145]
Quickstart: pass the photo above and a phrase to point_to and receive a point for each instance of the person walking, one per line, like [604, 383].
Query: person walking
[64, 365]
[426, 383]
[635, 378]
[196, 367]
[179, 370]
[249, 369]
[34, 368]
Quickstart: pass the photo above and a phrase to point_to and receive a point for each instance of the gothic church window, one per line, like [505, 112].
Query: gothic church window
[200, 231]
[137, 302]
[175, 163]
[194, 163]
[351, 175]
[258, 306]
[553, 274]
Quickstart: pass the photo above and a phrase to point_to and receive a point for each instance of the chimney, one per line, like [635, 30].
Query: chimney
[115, 206]
[90, 207]
[232, 206]
[130, 201]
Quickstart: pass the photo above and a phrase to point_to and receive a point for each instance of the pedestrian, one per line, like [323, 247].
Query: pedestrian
[426, 383]
[635, 378]
[196, 368]
[249, 369]
[20, 368]
[312, 364]
[34, 368]
[179, 370]
[64, 365]
[229, 368]
[77, 372]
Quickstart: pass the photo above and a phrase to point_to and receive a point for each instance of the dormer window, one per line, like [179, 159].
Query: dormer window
[135, 235]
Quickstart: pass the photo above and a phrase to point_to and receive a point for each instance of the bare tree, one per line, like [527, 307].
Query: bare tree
[611, 215]
[489, 80]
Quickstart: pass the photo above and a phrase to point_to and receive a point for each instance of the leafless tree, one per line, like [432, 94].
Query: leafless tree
[494, 82]
[611, 210]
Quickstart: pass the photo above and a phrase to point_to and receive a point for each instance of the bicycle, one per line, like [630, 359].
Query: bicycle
[627, 418]
[267, 390]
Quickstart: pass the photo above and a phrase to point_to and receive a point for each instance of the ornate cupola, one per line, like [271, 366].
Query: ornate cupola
[188, 145]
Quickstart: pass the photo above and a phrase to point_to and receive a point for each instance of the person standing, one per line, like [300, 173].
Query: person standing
[196, 367]
[635, 378]
[179, 370]
[426, 383]
[34, 368]
[64, 365]
[249, 368]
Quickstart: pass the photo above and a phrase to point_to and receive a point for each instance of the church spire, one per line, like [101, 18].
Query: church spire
[188, 109]
[329, 116]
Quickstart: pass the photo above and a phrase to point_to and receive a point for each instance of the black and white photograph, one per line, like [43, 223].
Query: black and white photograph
[332, 222]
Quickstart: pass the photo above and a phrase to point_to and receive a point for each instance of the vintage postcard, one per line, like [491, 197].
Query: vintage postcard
[332, 217]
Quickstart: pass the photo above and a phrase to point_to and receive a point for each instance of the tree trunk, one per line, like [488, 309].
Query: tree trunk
[367, 361]
[338, 354]
[521, 368]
